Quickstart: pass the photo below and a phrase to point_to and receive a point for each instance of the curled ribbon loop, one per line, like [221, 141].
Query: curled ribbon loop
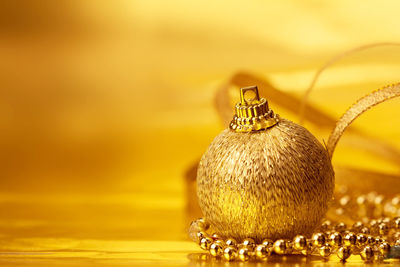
[359, 108]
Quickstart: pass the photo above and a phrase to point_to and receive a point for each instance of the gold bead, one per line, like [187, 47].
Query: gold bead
[309, 248]
[200, 235]
[230, 253]
[373, 223]
[367, 253]
[215, 236]
[318, 239]
[231, 242]
[262, 252]
[345, 200]
[350, 239]
[216, 249]
[370, 197]
[268, 242]
[361, 200]
[203, 225]
[365, 230]
[357, 226]
[205, 243]
[325, 251]
[396, 223]
[280, 246]
[244, 253]
[300, 242]
[383, 229]
[248, 242]
[371, 241]
[339, 211]
[344, 253]
[193, 231]
[379, 240]
[384, 248]
[340, 227]
[378, 201]
[361, 239]
[396, 201]
[336, 239]
[326, 225]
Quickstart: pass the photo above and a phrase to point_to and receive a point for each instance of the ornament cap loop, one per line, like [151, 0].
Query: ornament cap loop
[250, 91]
[252, 112]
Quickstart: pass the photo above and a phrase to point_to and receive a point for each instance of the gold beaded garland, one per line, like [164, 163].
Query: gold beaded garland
[353, 241]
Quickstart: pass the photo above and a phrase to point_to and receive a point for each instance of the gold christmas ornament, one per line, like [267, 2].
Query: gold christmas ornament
[264, 177]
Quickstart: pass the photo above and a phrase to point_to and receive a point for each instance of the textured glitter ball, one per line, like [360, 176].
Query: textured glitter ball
[265, 177]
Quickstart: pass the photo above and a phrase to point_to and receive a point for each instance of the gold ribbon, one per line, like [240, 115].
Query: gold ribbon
[359, 108]
[329, 63]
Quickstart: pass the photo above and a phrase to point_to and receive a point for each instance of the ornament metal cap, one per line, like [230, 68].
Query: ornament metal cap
[252, 113]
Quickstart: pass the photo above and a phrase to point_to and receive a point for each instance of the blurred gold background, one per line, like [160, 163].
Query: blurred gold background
[105, 104]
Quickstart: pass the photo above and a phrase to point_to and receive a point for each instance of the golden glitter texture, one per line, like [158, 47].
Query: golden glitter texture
[272, 183]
